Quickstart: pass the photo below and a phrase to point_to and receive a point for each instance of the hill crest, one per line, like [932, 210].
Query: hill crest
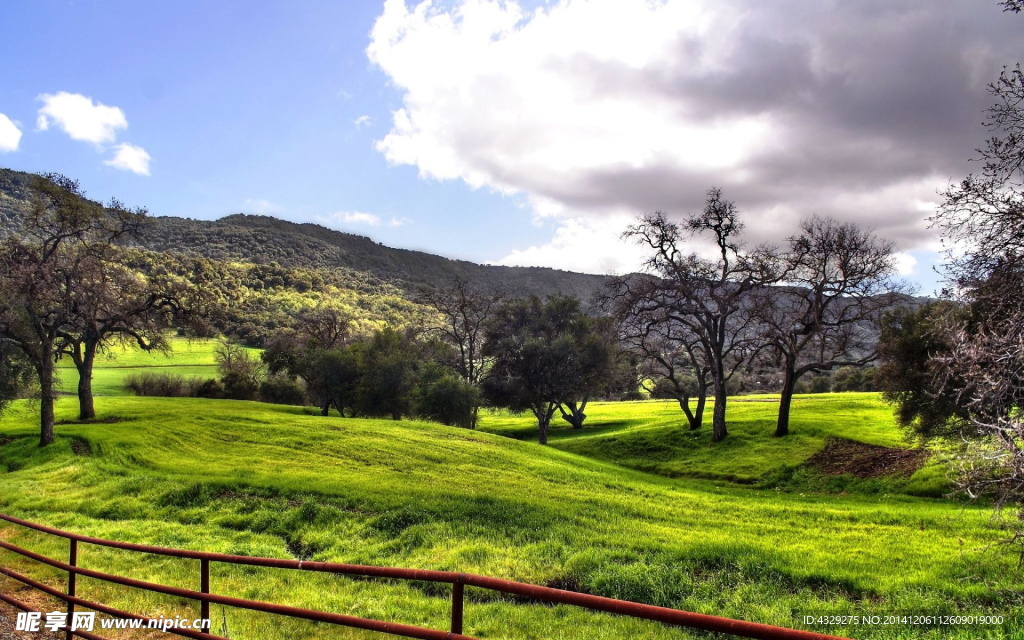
[265, 239]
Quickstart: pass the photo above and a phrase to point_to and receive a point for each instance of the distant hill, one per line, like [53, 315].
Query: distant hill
[264, 239]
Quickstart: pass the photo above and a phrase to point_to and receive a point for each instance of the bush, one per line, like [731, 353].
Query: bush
[447, 399]
[239, 387]
[211, 388]
[282, 390]
[167, 385]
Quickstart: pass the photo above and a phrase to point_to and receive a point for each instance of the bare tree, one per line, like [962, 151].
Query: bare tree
[40, 273]
[982, 219]
[464, 313]
[838, 281]
[113, 304]
[324, 326]
[668, 349]
[708, 296]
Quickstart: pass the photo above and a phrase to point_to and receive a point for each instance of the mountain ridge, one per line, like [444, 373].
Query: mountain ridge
[264, 239]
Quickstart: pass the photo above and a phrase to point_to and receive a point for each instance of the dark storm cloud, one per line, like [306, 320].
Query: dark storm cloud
[868, 96]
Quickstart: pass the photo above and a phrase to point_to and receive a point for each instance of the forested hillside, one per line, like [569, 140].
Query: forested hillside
[263, 239]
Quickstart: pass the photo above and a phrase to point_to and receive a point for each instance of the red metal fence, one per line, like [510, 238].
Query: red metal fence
[458, 581]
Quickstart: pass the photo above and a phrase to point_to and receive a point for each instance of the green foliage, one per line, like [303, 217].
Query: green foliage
[282, 390]
[211, 388]
[333, 377]
[443, 396]
[546, 354]
[814, 384]
[853, 379]
[15, 375]
[387, 375]
[911, 341]
[239, 387]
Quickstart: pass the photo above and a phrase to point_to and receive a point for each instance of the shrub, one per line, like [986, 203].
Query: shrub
[168, 385]
[239, 387]
[447, 399]
[282, 390]
[211, 388]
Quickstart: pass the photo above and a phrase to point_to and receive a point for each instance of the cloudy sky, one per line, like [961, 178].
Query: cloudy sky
[524, 132]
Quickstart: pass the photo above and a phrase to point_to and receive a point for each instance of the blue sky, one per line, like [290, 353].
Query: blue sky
[243, 107]
[527, 133]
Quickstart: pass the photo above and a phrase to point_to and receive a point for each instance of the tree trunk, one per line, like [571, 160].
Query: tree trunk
[684, 404]
[718, 429]
[698, 414]
[46, 395]
[325, 409]
[543, 415]
[476, 414]
[86, 405]
[785, 402]
[575, 415]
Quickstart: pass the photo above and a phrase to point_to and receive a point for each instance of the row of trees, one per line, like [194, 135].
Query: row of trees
[699, 319]
[695, 322]
[524, 354]
[686, 328]
[391, 373]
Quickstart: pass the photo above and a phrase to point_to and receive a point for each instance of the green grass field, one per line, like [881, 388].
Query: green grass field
[260, 479]
[187, 358]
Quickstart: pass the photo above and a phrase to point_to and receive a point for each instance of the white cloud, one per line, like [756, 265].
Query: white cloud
[362, 121]
[399, 222]
[905, 263]
[352, 217]
[598, 109]
[80, 117]
[10, 135]
[586, 245]
[130, 158]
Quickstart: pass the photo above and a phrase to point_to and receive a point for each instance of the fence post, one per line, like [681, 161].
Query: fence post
[73, 561]
[204, 587]
[458, 589]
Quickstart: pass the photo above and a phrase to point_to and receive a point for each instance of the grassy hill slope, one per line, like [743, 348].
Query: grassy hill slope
[652, 436]
[268, 480]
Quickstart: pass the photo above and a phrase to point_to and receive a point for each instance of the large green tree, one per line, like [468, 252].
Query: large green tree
[547, 357]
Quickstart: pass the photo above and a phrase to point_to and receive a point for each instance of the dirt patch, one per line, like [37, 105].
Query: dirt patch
[9, 615]
[5, 440]
[866, 460]
[81, 447]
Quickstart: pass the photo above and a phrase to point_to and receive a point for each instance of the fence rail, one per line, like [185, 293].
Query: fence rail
[459, 582]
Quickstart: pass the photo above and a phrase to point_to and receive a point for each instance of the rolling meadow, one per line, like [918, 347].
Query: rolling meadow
[633, 506]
